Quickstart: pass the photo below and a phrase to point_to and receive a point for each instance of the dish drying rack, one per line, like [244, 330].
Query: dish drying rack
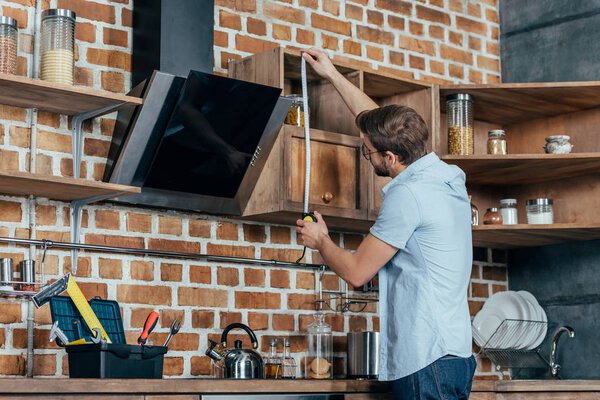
[496, 348]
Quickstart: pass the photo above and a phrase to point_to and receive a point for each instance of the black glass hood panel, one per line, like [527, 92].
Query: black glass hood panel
[196, 144]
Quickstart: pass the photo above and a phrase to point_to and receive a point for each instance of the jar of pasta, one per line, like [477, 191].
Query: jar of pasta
[295, 115]
[459, 109]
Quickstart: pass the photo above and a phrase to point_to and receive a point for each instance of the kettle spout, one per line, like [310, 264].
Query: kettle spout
[212, 351]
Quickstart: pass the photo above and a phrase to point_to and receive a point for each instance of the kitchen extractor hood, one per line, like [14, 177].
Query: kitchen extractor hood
[195, 144]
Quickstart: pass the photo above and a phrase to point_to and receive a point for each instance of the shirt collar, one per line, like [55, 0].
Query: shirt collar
[419, 165]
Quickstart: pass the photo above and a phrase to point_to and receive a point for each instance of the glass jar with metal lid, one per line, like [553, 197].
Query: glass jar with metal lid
[295, 115]
[58, 46]
[540, 211]
[508, 209]
[492, 216]
[9, 34]
[496, 143]
[459, 110]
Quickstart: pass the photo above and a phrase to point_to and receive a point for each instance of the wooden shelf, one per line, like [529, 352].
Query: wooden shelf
[516, 236]
[518, 169]
[25, 92]
[505, 104]
[58, 188]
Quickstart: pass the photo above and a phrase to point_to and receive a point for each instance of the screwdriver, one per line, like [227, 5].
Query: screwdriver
[148, 326]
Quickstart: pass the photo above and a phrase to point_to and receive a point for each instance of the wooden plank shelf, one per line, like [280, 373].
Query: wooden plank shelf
[510, 103]
[25, 92]
[519, 169]
[58, 188]
[522, 235]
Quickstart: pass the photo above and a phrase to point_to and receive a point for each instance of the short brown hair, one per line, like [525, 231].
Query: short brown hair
[395, 128]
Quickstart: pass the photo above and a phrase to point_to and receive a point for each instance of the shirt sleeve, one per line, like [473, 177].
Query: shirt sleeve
[398, 217]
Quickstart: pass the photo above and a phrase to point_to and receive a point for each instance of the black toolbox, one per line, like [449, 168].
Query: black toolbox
[104, 360]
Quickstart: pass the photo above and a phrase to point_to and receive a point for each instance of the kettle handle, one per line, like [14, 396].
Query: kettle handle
[240, 326]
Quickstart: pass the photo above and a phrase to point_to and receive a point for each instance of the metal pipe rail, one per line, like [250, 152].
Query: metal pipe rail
[48, 244]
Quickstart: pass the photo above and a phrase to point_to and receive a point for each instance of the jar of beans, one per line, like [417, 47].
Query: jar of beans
[459, 109]
[8, 45]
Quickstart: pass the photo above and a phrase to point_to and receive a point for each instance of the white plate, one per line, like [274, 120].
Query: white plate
[499, 307]
[529, 331]
[540, 316]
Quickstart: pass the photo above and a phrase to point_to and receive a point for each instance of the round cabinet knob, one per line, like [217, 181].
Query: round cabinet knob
[327, 197]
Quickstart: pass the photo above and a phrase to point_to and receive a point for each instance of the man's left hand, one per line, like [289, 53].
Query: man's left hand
[313, 234]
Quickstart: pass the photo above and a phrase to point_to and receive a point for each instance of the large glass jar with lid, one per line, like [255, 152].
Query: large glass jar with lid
[295, 115]
[8, 45]
[459, 109]
[58, 46]
[319, 362]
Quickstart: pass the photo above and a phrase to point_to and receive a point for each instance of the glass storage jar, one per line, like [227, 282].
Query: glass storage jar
[459, 109]
[295, 115]
[540, 211]
[319, 362]
[496, 143]
[474, 213]
[492, 216]
[9, 34]
[508, 209]
[58, 46]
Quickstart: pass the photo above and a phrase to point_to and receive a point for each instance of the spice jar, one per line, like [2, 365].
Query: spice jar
[540, 211]
[474, 213]
[508, 209]
[57, 46]
[496, 143]
[295, 115]
[492, 217]
[8, 45]
[459, 108]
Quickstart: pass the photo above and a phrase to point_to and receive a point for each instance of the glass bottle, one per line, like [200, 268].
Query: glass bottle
[496, 143]
[57, 46]
[318, 363]
[508, 209]
[288, 364]
[492, 216]
[273, 368]
[474, 212]
[295, 115]
[8, 45]
[459, 109]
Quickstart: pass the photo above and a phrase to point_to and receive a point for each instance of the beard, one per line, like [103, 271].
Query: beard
[382, 169]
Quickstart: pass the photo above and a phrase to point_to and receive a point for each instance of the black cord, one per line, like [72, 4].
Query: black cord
[302, 256]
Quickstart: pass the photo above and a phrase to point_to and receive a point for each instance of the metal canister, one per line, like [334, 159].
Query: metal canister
[6, 271]
[27, 268]
[363, 355]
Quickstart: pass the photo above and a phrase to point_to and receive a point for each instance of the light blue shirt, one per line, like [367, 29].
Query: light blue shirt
[424, 313]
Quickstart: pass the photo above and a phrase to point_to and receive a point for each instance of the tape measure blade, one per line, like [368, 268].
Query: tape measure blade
[84, 308]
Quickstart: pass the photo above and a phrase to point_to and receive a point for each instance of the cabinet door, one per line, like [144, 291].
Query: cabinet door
[338, 176]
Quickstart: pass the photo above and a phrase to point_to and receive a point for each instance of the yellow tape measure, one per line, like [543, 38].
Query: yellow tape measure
[84, 308]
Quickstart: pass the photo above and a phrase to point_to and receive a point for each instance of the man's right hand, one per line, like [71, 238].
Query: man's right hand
[320, 63]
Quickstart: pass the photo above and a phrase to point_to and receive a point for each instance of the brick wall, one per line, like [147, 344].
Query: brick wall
[435, 40]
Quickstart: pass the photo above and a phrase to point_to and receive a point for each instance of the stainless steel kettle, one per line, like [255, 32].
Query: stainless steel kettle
[236, 363]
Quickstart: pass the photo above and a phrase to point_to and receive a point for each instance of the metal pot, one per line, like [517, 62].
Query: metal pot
[237, 363]
[363, 355]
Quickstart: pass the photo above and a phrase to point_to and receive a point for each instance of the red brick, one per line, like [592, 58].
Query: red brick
[48, 119]
[374, 53]
[112, 81]
[474, 307]
[257, 300]
[226, 58]
[397, 58]
[13, 364]
[18, 14]
[184, 341]
[258, 321]
[115, 37]
[45, 215]
[375, 17]
[280, 279]
[305, 280]
[230, 20]
[187, 296]
[228, 276]
[432, 15]
[488, 63]
[84, 266]
[169, 225]
[416, 62]
[331, 24]
[282, 32]
[139, 222]
[200, 365]
[300, 301]
[142, 270]
[254, 233]
[357, 323]
[238, 5]
[10, 211]
[499, 288]
[2, 339]
[174, 245]
[9, 160]
[227, 318]
[492, 15]
[200, 274]
[492, 48]
[268, 253]
[109, 58]
[470, 25]
[173, 366]
[221, 38]
[54, 141]
[457, 55]
[89, 10]
[170, 272]
[110, 268]
[19, 136]
[437, 32]
[304, 36]
[331, 7]
[254, 277]
[127, 18]
[43, 164]
[227, 231]
[106, 240]
[456, 71]
[107, 219]
[199, 228]
[456, 38]
[396, 6]
[10, 313]
[203, 319]
[96, 147]
[284, 13]
[44, 364]
[351, 47]
[93, 289]
[494, 273]
[417, 45]
[415, 28]
[13, 113]
[314, 4]
[230, 250]
[280, 235]
[84, 76]
[256, 27]
[283, 322]
[143, 294]
[354, 12]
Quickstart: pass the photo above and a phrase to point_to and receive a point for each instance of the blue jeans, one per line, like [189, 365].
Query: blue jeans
[448, 378]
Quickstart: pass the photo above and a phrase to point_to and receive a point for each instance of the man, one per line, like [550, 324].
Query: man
[420, 244]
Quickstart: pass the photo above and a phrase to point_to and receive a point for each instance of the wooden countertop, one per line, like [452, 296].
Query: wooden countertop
[537, 386]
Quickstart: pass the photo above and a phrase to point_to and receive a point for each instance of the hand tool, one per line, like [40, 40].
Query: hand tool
[57, 333]
[68, 283]
[150, 323]
[97, 336]
[175, 326]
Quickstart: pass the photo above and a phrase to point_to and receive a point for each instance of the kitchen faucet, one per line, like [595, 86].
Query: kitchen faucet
[554, 367]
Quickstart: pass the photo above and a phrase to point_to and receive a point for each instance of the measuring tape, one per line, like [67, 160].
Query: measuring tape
[68, 283]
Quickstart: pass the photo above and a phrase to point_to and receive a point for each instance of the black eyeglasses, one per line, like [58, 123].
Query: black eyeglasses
[367, 154]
